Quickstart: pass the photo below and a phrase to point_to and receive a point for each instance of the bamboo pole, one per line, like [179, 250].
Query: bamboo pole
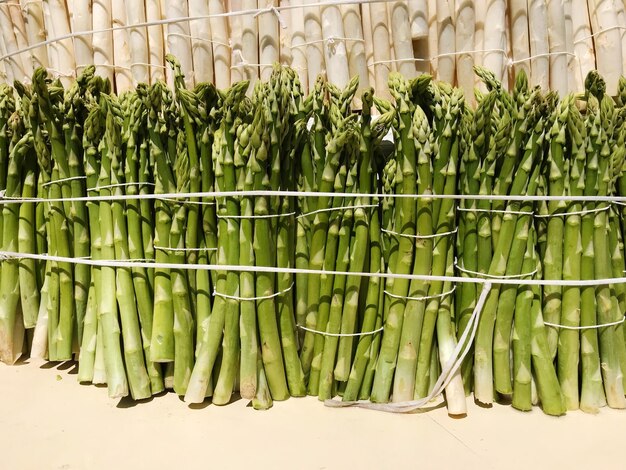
[103, 41]
[465, 21]
[138, 42]
[556, 39]
[121, 48]
[298, 47]
[221, 49]
[518, 13]
[382, 55]
[80, 19]
[67, 63]
[402, 40]
[446, 41]
[495, 38]
[539, 46]
[35, 31]
[335, 53]
[178, 39]
[607, 41]
[583, 44]
[155, 41]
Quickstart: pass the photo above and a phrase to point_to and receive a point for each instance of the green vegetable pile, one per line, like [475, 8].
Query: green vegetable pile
[271, 245]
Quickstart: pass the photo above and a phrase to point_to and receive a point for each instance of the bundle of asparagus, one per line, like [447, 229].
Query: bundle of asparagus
[211, 242]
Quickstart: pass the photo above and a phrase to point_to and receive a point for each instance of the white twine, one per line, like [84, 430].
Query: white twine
[585, 327]
[512, 62]
[197, 38]
[272, 9]
[341, 335]
[419, 237]
[178, 201]
[493, 276]
[304, 194]
[262, 297]
[426, 297]
[597, 33]
[182, 250]
[263, 216]
[8, 255]
[438, 56]
[146, 64]
[565, 214]
[495, 211]
[243, 63]
[448, 371]
[118, 185]
[110, 66]
[56, 72]
[332, 209]
[63, 180]
[330, 40]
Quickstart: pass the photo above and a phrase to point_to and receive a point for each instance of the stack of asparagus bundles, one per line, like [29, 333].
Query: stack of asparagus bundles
[271, 243]
[556, 43]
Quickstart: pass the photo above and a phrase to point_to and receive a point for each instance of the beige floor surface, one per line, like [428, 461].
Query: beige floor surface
[48, 421]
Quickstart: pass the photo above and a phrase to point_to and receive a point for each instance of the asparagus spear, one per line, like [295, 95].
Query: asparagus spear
[405, 228]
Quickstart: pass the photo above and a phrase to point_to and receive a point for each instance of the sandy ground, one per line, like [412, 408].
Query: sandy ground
[48, 421]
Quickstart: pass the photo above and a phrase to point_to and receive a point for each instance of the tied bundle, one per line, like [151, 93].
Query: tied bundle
[273, 243]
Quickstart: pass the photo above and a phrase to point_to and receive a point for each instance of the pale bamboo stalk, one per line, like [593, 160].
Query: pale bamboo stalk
[19, 29]
[221, 50]
[583, 44]
[201, 48]
[419, 32]
[35, 31]
[138, 42]
[392, 51]
[433, 38]
[178, 38]
[572, 62]
[480, 11]
[495, 38]
[465, 26]
[402, 40]
[237, 56]
[249, 45]
[80, 20]
[155, 41]
[16, 62]
[314, 48]
[446, 41]
[520, 45]
[103, 41]
[298, 48]
[417, 18]
[67, 63]
[335, 53]
[121, 49]
[556, 40]
[382, 52]
[48, 31]
[621, 20]
[607, 41]
[268, 39]
[538, 30]
[285, 53]
[6, 70]
[509, 75]
[366, 22]
[357, 63]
